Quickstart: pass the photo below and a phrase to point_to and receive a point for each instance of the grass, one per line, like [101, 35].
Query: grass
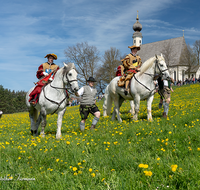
[163, 154]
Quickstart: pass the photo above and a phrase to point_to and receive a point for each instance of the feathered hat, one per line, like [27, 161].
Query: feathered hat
[133, 46]
[51, 54]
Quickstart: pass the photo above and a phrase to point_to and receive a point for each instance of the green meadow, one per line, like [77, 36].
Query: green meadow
[162, 154]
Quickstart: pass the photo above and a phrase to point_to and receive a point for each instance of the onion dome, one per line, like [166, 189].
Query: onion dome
[137, 26]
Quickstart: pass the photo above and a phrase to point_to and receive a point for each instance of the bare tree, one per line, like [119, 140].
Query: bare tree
[188, 56]
[196, 49]
[168, 53]
[85, 58]
[111, 60]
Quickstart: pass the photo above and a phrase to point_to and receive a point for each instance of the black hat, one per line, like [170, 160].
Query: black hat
[91, 79]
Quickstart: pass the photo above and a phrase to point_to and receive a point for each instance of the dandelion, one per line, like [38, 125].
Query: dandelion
[174, 167]
[102, 179]
[158, 158]
[74, 169]
[93, 174]
[148, 173]
[198, 149]
[68, 142]
[90, 169]
[112, 170]
[57, 160]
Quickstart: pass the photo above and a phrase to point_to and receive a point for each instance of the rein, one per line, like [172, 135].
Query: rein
[66, 97]
[52, 101]
[152, 75]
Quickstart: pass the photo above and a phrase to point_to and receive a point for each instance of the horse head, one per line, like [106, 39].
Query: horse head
[161, 67]
[70, 76]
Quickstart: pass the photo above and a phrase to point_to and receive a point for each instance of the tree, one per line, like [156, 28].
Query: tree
[188, 56]
[85, 58]
[111, 60]
[168, 53]
[196, 48]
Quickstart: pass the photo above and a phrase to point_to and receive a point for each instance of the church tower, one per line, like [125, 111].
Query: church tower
[137, 35]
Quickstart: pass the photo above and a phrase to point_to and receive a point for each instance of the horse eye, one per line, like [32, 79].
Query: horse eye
[161, 65]
[70, 74]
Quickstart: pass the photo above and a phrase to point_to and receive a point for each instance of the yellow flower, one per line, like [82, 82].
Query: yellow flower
[90, 170]
[74, 169]
[68, 142]
[198, 149]
[174, 167]
[158, 158]
[112, 170]
[93, 174]
[57, 160]
[103, 179]
[148, 173]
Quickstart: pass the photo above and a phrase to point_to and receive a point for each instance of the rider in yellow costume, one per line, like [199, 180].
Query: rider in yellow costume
[131, 64]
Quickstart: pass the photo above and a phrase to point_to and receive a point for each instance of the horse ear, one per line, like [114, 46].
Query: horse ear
[65, 64]
[161, 55]
[156, 56]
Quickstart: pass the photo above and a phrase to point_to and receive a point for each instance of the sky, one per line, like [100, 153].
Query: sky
[31, 29]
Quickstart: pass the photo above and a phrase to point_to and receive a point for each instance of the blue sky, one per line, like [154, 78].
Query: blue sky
[31, 29]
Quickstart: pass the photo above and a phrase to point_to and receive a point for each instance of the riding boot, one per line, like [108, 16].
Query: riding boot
[126, 87]
[160, 105]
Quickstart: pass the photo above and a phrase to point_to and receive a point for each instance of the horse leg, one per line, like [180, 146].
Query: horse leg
[59, 123]
[43, 121]
[107, 105]
[149, 103]
[33, 115]
[118, 102]
[132, 110]
[137, 107]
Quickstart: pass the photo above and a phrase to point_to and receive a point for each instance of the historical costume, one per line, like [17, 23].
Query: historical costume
[130, 65]
[45, 74]
[87, 104]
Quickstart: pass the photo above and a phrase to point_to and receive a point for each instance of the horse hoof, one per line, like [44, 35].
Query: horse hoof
[58, 136]
[34, 132]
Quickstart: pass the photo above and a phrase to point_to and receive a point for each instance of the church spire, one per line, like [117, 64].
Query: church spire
[137, 35]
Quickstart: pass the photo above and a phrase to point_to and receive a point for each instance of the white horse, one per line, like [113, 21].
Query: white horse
[53, 99]
[141, 87]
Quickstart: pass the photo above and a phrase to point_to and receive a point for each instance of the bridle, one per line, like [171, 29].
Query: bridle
[66, 97]
[153, 75]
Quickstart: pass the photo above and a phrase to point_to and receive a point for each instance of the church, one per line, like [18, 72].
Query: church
[173, 51]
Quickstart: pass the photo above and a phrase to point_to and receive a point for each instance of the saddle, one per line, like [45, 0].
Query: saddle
[34, 95]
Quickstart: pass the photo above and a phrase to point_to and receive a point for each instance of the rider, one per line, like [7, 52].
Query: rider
[88, 105]
[43, 74]
[131, 64]
[164, 92]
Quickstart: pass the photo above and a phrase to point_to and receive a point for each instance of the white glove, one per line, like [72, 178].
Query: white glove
[50, 78]
[45, 74]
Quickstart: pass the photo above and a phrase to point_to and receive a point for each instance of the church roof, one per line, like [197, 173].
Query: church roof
[173, 46]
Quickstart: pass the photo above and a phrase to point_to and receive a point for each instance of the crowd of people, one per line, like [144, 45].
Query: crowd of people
[191, 80]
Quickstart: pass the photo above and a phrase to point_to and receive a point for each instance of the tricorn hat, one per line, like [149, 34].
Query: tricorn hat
[91, 79]
[51, 54]
[133, 46]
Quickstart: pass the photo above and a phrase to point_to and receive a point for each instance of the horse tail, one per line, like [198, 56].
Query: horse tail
[107, 105]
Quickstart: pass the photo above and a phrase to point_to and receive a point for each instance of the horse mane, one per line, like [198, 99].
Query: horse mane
[148, 63]
[69, 67]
